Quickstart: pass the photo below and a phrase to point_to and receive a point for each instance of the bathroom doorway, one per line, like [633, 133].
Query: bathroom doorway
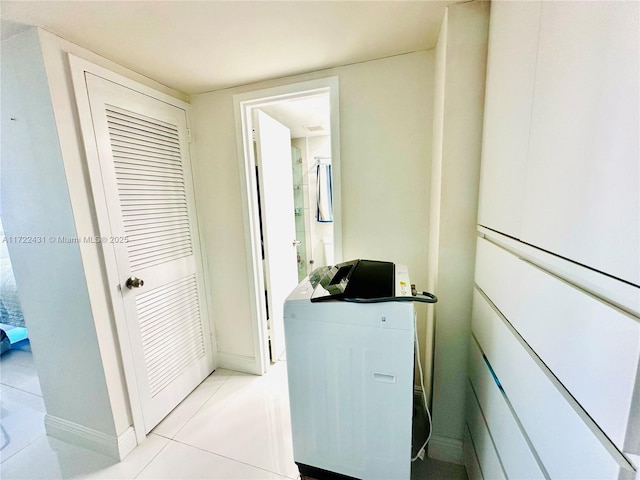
[309, 111]
[308, 119]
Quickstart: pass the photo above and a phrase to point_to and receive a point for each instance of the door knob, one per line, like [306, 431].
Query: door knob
[296, 243]
[134, 282]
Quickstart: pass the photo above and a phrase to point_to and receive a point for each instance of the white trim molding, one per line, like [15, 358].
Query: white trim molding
[110, 445]
[238, 363]
[243, 105]
[613, 291]
[447, 449]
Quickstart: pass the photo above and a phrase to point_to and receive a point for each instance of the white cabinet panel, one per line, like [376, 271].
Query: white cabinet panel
[591, 347]
[486, 454]
[582, 196]
[566, 445]
[513, 40]
[470, 457]
[498, 276]
[517, 458]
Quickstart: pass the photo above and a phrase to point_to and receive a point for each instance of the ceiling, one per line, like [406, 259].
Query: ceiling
[200, 46]
[305, 117]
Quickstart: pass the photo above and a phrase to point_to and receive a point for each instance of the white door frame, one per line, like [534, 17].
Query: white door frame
[243, 105]
[78, 68]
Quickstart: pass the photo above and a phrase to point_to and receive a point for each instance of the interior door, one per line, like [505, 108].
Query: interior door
[145, 172]
[273, 146]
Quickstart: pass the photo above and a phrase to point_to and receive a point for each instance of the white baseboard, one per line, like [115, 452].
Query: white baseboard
[239, 363]
[109, 445]
[446, 449]
[127, 441]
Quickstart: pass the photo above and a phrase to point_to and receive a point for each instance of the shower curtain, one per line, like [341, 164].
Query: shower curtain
[324, 212]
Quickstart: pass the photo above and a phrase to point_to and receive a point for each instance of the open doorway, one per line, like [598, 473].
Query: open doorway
[304, 117]
[308, 119]
[13, 330]
[23, 408]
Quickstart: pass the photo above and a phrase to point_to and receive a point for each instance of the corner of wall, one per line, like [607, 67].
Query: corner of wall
[459, 87]
[37, 205]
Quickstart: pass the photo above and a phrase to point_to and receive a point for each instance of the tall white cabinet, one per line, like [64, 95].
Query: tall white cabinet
[554, 379]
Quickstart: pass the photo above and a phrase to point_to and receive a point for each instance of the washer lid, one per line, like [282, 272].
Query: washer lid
[354, 279]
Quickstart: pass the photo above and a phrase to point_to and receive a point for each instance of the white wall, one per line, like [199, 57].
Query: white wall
[461, 55]
[49, 275]
[385, 137]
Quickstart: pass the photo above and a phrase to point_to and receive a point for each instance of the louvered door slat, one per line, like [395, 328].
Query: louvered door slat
[147, 157]
[163, 372]
[155, 170]
[156, 347]
[147, 124]
[127, 184]
[143, 235]
[154, 196]
[152, 237]
[164, 223]
[168, 313]
[169, 319]
[158, 175]
[156, 250]
[140, 158]
[141, 133]
[151, 209]
[152, 203]
[141, 125]
[148, 190]
[152, 244]
[181, 345]
[124, 148]
[162, 257]
[124, 137]
[162, 378]
[145, 218]
[151, 297]
[173, 300]
[123, 131]
[165, 196]
[154, 211]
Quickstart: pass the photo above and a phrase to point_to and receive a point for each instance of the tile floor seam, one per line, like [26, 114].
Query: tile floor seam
[152, 458]
[232, 459]
[200, 407]
[26, 446]
[17, 387]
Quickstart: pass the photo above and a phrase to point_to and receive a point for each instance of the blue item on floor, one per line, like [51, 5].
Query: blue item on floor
[5, 343]
[11, 335]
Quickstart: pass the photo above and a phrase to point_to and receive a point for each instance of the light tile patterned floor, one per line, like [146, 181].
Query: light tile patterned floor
[233, 426]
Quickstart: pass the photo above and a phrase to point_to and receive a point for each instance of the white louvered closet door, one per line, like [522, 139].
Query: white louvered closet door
[145, 168]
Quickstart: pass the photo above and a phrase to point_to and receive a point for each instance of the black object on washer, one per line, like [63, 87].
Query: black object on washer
[353, 279]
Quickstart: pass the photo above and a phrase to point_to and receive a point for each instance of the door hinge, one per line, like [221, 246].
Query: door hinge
[189, 135]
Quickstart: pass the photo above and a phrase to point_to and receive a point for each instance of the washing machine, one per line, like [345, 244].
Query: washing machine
[350, 354]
